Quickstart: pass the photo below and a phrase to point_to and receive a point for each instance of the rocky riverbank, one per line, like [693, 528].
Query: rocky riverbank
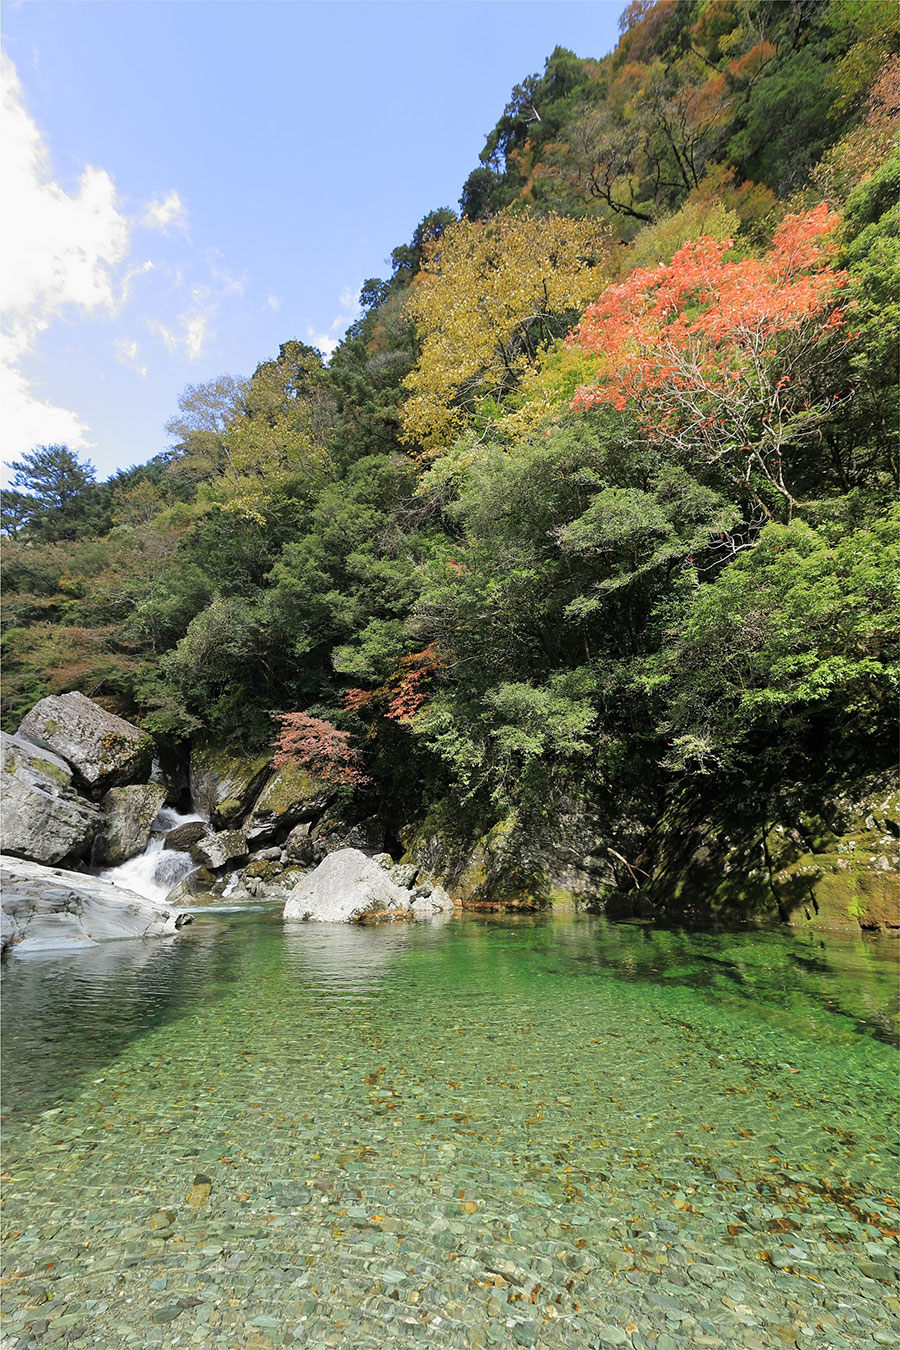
[83, 790]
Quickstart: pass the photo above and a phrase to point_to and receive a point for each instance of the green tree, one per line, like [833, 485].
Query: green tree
[53, 493]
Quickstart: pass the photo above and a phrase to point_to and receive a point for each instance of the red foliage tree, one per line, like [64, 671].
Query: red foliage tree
[405, 691]
[721, 356]
[320, 748]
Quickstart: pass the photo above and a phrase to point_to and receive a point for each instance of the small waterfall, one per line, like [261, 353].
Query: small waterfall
[154, 872]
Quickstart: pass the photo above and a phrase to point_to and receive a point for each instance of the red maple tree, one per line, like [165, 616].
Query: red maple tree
[720, 355]
[405, 691]
[320, 748]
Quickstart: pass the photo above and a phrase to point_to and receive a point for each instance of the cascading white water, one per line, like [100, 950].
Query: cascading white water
[154, 872]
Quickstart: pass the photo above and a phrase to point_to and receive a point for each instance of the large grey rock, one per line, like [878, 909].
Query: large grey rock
[128, 814]
[224, 784]
[45, 908]
[183, 836]
[348, 887]
[298, 847]
[291, 795]
[105, 750]
[43, 818]
[218, 850]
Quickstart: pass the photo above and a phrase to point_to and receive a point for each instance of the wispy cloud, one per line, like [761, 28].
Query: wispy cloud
[193, 329]
[349, 310]
[165, 213]
[128, 354]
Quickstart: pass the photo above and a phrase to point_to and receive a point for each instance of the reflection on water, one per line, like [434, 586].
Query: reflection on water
[342, 957]
[620, 1120]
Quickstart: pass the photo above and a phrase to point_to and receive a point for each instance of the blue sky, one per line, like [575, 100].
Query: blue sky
[189, 184]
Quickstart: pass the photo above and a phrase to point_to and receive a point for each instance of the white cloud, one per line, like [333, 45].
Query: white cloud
[63, 253]
[274, 302]
[27, 421]
[329, 340]
[128, 354]
[228, 284]
[68, 255]
[164, 213]
[59, 250]
[196, 334]
[138, 270]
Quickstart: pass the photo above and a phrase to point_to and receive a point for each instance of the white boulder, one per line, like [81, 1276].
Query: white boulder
[348, 887]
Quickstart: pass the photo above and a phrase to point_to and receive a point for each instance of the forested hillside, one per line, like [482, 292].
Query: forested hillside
[582, 544]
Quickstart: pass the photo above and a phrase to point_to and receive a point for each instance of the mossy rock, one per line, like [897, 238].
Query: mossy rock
[290, 796]
[834, 891]
[54, 772]
[224, 782]
[103, 749]
[263, 868]
[492, 874]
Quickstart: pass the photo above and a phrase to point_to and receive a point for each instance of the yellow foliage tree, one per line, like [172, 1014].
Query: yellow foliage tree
[489, 298]
[275, 438]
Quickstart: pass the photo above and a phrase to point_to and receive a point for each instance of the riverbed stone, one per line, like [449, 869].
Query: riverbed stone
[298, 846]
[44, 818]
[49, 908]
[347, 887]
[128, 815]
[104, 750]
[403, 874]
[183, 836]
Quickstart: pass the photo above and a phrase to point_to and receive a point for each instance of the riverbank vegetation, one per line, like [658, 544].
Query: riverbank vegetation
[593, 504]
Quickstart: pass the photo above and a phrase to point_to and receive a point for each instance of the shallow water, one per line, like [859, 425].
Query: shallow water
[534, 1131]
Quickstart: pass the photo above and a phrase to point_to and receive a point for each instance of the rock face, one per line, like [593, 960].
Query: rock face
[223, 785]
[290, 796]
[129, 812]
[43, 818]
[48, 908]
[333, 832]
[348, 887]
[220, 850]
[104, 749]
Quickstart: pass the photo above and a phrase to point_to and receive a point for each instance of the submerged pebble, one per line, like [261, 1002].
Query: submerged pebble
[501, 1132]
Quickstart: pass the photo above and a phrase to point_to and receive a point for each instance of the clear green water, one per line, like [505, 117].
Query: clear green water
[550, 1132]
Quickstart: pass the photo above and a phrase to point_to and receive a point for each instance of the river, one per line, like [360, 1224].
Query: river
[547, 1131]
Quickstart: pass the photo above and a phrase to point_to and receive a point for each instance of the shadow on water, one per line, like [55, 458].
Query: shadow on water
[65, 1015]
[847, 977]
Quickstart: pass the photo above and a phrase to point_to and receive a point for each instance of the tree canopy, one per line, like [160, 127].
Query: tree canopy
[594, 502]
